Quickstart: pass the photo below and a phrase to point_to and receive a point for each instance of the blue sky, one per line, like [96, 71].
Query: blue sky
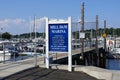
[14, 14]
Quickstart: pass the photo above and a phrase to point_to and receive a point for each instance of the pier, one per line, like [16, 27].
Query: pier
[11, 70]
[91, 58]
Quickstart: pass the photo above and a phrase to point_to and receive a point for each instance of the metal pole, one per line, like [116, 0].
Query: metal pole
[14, 52]
[30, 27]
[76, 35]
[35, 26]
[35, 55]
[82, 30]
[3, 53]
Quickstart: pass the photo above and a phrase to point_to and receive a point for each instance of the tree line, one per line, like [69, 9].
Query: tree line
[92, 32]
[7, 35]
[109, 31]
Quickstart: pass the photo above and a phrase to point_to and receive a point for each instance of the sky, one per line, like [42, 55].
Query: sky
[16, 16]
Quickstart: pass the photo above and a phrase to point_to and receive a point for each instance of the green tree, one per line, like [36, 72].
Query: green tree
[6, 35]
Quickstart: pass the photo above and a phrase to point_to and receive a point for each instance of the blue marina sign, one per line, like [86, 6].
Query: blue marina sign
[58, 37]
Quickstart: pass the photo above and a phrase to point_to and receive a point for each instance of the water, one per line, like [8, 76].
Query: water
[113, 64]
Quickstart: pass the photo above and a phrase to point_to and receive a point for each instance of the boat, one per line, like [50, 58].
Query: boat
[115, 51]
[6, 54]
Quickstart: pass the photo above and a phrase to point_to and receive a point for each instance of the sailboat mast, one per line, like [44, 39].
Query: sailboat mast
[30, 27]
[34, 26]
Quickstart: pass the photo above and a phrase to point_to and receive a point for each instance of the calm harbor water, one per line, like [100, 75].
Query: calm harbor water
[113, 64]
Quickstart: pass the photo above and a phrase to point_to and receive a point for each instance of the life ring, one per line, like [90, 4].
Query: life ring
[110, 42]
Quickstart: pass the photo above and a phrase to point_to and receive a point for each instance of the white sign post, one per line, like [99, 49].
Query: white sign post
[47, 52]
[70, 46]
[58, 39]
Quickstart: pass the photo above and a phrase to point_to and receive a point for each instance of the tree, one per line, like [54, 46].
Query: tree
[6, 35]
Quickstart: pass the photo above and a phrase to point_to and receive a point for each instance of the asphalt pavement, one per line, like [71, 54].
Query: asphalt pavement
[38, 73]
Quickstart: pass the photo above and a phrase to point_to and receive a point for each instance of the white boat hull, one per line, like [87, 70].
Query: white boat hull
[7, 56]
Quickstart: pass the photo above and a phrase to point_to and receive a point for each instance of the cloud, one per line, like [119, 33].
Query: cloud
[13, 26]
[8, 22]
[18, 26]
[39, 24]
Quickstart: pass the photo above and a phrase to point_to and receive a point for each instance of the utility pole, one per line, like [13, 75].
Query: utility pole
[82, 38]
[82, 30]
[97, 34]
[105, 35]
[96, 46]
